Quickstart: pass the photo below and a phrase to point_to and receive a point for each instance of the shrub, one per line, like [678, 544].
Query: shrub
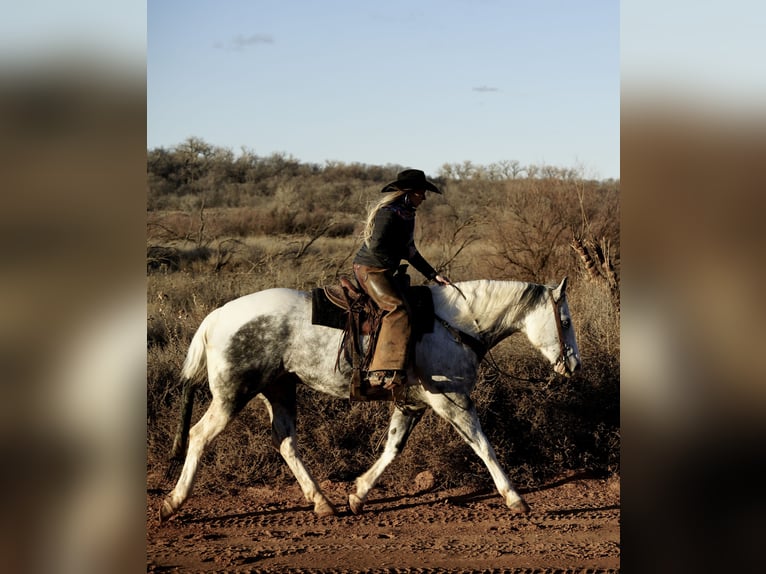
[297, 226]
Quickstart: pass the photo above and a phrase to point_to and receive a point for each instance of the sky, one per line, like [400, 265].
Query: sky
[416, 83]
[705, 52]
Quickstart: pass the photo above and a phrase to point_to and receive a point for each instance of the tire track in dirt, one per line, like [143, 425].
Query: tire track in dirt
[573, 528]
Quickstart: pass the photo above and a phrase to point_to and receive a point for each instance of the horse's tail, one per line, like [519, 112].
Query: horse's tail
[196, 358]
[181, 438]
[192, 374]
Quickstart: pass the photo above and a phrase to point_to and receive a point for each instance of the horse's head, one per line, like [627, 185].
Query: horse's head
[549, 328]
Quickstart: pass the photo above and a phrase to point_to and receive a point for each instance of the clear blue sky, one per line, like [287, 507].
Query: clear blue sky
[418, 83]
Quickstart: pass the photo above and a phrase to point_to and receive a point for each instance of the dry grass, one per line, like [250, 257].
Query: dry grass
[538, 431]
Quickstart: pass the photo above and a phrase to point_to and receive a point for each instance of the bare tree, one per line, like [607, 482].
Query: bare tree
[526, 231]
[314, 234]
[596, 255]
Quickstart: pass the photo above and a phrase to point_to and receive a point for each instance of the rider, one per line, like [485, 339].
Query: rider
[388, 238]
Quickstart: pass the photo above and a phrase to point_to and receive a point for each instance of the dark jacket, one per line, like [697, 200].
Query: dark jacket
[393, 239]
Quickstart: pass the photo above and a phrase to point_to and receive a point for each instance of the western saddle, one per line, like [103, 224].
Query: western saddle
[345, 306]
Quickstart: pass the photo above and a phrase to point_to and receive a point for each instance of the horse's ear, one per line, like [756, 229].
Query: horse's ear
[560, 289]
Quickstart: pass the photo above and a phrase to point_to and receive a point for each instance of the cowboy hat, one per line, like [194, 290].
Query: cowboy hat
[410, 179]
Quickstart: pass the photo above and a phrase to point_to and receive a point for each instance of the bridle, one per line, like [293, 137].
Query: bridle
[481, 349]
[565, 350]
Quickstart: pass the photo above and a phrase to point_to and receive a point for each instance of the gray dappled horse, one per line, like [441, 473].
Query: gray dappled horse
[264, 344]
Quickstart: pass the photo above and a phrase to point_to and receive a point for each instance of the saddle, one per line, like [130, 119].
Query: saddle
[347, 307]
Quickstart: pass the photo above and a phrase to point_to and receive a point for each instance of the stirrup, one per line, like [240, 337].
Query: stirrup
[389, 379]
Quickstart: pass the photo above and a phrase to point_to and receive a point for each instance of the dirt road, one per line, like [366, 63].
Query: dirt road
[574, 527]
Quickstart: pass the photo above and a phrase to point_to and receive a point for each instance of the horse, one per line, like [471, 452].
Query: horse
[264, 344]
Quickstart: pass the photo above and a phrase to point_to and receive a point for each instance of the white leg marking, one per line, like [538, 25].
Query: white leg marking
[399, 430]
[201, 435]
[283, 427]
[461, 413]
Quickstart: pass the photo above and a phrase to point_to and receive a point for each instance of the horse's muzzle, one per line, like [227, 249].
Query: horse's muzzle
[567, 363]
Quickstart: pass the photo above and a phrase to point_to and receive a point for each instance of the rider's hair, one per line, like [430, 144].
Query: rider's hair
[369, 224]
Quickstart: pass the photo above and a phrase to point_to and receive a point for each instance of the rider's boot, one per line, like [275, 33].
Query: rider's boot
[389, 379]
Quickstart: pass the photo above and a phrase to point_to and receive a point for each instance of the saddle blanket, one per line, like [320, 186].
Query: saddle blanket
[325, 312]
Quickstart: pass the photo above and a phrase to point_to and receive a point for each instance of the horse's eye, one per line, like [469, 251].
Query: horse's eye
[565, 323]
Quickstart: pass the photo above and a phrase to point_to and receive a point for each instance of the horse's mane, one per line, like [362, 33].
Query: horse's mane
[484, 299]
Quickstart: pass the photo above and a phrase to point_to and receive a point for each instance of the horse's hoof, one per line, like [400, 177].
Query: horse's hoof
[166, 511]
[356, 503]
[519, 507]
[324, 508]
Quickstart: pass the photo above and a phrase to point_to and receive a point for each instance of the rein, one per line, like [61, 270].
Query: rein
[559, 330]
[476, 345]
[481, 349]
[564, 349]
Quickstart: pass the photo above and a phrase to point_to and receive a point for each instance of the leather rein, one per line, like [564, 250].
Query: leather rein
[481, 349]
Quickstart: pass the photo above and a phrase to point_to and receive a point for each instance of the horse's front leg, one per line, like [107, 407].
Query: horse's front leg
[399, 429]
[460, 411]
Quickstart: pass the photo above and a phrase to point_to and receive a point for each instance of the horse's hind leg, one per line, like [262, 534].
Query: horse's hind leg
[399, 429]
[460, 411]
[215, 419]
[279, 398]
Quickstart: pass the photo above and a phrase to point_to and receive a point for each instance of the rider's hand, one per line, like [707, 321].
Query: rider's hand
[442, 280]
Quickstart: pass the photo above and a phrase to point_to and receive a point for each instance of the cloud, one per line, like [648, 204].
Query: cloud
[240, 41]
[485, 89]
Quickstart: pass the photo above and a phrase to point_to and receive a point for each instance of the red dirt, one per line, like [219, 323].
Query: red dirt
[574, 526]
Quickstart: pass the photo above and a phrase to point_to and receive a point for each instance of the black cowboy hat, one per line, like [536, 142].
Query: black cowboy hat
[410, 179]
